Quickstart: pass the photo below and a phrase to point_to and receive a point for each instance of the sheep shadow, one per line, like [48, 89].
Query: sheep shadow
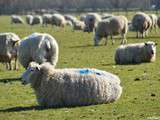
[9, 80]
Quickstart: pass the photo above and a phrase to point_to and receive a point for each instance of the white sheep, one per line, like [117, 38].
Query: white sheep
[58, 20]
[141, 22]
[47, 19]
[9, 49]
[91, 21]
[38, 47]
[78, 25]
[111, 26]
[71, 87]
[154, 19]
[16, 19]
[136, 53]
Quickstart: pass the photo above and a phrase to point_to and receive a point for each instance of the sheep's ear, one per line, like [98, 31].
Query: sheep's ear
[156, 44]
[145, 44]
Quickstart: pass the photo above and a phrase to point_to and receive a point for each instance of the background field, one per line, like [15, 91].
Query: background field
[141, 83]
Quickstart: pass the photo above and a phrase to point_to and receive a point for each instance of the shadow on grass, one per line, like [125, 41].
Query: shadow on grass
[19, 109]
[8, 80]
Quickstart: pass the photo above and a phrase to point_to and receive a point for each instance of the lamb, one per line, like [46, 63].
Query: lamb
[58, 20]
[154, 19]
[91, 22]
[38, 47]
[47, 19]
[16, 19]
[9, 49]
[71, 87]
[136, 53]
[141, 22]
[111, 26]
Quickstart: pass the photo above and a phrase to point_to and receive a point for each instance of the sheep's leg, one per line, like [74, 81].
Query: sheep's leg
[106, 41]
[124, 40]
[10, 65]
[113, 41]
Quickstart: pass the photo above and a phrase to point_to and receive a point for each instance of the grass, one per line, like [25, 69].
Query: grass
[141, 83]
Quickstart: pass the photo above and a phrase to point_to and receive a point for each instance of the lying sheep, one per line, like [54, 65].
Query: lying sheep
[112, 26]
[91, 21]
[16, 19]
[154, 19]
[136, 53]
[58, 20]
[47, 19]
[141, 22]
[9, 49]
[71, 87]
[38, 47]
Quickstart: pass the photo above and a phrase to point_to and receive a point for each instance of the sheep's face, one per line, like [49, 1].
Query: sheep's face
[31, 73]
[151, 48]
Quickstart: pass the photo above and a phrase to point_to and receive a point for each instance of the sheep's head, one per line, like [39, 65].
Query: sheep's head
[32, 72]
[151, 48]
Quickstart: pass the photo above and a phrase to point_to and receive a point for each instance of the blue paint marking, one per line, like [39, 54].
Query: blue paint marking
[88, 71]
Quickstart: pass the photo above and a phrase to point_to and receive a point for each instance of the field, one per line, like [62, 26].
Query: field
[141, 83]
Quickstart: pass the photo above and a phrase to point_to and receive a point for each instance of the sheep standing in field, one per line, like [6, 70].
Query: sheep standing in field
[154, 19]
[136, 53]
[16, 19]
[9, 49]
[78, 25]
[112, 26]
[58, 20]
[37, 19]
[47, 19]
[29, 19]
[141, 22]
[38, 47]
[71, 87]
[91, 22]
[158, 22]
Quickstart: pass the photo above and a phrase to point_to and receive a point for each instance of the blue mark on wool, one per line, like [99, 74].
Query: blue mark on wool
[88, 71]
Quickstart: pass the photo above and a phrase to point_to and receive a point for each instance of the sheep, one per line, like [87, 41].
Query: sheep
[29, 19]
[9, 49]
[47, 19]
[58, 20]
[78, 25]
[70, 18]
[111, 26]
[37, 19]
[91, 22]
[71, 86]
[141, 22]
[69, 23]
[136, 53]
[38, 47]
[158, 22]
[16, 19]
[154, 19]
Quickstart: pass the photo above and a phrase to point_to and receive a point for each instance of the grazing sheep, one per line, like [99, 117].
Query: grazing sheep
[158, 22]
[58, 20]
[38, 47]
[141, 22]
[37, 19]
[136, 53]
[91, 22]
[112, 26]
[16, 19]
[9, 49]
[70, 18]
[29, 19]
[47, 19]
[71, 87]
[154, 19]
[78, 25]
